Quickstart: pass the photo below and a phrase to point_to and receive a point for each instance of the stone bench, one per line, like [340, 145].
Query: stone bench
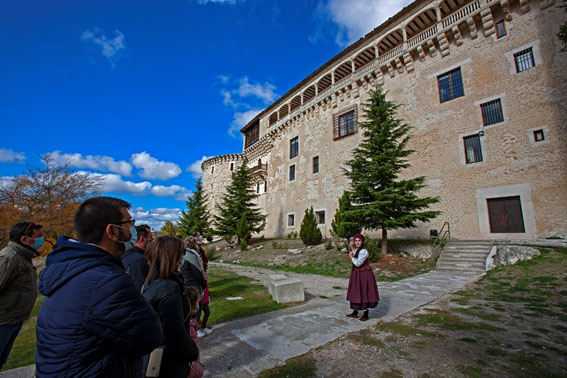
[284, 289]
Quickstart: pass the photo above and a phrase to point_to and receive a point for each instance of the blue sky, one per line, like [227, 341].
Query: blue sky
[141, 92]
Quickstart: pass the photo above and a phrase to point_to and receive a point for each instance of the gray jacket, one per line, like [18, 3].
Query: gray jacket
[18, 283]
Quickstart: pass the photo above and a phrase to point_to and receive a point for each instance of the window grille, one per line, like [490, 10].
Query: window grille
[524, 60]
[492, 112]
[344, 123]
[473, 149]
[450, 85]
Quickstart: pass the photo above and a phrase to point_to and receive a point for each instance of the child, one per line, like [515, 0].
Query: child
[197, 369]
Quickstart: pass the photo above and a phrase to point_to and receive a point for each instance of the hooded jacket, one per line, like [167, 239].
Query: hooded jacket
[93, 321]
[18, 287]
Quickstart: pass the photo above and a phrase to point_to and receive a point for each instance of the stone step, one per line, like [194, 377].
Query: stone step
[458, 258]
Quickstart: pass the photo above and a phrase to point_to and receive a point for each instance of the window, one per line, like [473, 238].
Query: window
[320, 216]
[292, 172]
[212, 169]
[524, 60]
[492, 112]
[291, 220]
[473, 150]
[316, 164]
[539, 135]
[500, 29]
[258, 188]
[345, 124]
[265, 185]
[294, 147]
[252, 135]
[450, 85]
[231, 167]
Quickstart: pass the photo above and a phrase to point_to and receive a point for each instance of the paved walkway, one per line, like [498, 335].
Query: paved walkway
[243, 348]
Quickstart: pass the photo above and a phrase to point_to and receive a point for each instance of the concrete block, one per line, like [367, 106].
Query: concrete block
[272, 278]
[288, 290]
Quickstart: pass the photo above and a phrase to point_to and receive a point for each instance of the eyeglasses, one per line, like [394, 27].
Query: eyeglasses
[131, 222]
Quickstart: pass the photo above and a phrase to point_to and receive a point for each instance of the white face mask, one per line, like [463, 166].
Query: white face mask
[133, 238]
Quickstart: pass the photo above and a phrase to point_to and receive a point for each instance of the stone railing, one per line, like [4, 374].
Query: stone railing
[391, 54]
[461, 13]
[424, 35]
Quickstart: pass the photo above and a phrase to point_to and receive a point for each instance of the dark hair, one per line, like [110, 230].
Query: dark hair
[163, 256]
[143, 231]
[23, 229]
[193, 295]
[94, 215]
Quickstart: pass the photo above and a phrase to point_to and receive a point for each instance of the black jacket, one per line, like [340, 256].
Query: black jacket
[136, 265]
[192, 276]
[168, 298]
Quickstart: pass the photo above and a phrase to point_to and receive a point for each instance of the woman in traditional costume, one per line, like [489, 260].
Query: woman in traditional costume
[362, 289]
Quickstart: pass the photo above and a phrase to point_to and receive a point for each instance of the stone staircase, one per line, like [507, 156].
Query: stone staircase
[465, 256]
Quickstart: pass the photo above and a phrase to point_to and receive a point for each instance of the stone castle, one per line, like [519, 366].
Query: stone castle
[483, 83]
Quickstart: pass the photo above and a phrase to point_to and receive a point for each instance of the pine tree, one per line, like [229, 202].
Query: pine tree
[168, 228]
[238, 200]
[341, 227]
[309, 232]
[196, 218]
[380, 199]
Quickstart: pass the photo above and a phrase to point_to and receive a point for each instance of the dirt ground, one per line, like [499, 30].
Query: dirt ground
[318, 259]
[512, 323]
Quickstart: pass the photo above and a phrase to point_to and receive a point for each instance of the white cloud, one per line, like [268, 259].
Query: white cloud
[9, 156]
[178, 192]
[110, 46]
[241, 119]
[346, 15]
[223, 79]
[98, 162]
[265, 92]
[195, 167]
[204, 2]
[155, 218]
[227, 99]
[6, 181]
[153, 168]
[112, 183]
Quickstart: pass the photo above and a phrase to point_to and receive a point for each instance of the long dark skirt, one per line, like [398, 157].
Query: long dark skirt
[362, 289]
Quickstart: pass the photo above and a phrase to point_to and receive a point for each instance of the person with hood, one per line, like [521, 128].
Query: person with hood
[93, 321]
[18, 289]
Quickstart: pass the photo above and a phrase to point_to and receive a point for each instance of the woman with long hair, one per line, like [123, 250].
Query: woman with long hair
[362, 289]
[163, 289]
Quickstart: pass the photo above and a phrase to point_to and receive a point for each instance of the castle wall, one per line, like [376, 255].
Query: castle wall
[513, 163]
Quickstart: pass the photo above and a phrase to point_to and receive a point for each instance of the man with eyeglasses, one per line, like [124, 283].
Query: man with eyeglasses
[134, 260]
[93, 321]
[18, 289]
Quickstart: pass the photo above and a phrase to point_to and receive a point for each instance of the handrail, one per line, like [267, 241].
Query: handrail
[439, 243]
[460, 13]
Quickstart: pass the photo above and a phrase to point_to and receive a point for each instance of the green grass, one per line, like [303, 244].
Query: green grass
[404, 330]
[469, 371]
[295, 368]
[336, 269]
[446, 320]
[224, 284]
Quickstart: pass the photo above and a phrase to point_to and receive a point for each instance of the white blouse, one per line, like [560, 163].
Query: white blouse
[362, 256]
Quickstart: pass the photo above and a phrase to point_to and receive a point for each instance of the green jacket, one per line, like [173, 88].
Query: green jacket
[18, 283]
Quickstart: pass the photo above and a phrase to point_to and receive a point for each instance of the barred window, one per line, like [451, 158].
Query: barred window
[473, 149]
[293, 147]
[492, 112]
[450, 85]
[524, 60]
[344, 124]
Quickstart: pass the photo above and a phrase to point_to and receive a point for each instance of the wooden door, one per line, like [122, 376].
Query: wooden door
[505, 215]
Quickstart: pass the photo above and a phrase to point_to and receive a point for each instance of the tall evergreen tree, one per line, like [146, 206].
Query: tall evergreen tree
[309, 232]
[196, 218]
[238, 200]
[380, 199]
[342, 227]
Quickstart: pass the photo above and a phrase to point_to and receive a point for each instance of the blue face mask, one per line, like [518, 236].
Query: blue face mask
[133, 238]
[38, 243]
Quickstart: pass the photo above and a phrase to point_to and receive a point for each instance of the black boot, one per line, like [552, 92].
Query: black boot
[364, 317]
[354, 314]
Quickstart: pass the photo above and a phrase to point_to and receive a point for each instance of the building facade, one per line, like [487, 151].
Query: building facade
[484, 86]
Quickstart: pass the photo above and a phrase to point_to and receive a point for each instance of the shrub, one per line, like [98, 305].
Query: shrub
[292, 235]
[309, 232]
[374, 248]
[243, 245]
[243, 229]
[329, 244]
[211, 253]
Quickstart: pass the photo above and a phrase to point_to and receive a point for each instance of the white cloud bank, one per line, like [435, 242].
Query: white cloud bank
[178, 192]
[9, 156]
[195, 167]
[346, 14]
[155, 218]
[110, 46]
[153, 168]
[97, 162]
[113, 183]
